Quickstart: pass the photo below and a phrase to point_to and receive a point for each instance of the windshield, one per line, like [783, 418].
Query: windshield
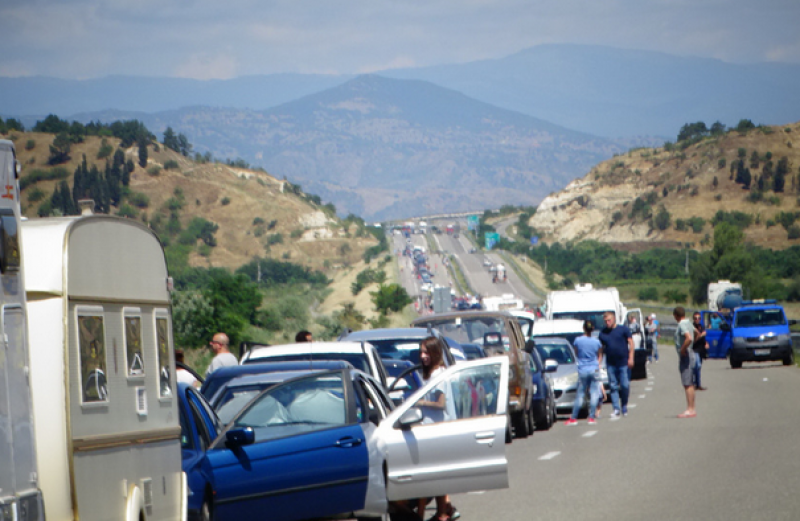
[561, 353]
[474, 330]
[569, 337]
[526, 325]
[596, 317]
[233, 400]
[760, 317]
[358, 360]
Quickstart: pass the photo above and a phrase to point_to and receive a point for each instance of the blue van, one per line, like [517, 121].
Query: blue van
[756, 331]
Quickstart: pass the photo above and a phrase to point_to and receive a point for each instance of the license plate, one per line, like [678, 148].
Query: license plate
[762, 352]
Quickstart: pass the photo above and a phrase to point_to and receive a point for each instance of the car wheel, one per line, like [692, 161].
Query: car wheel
[531, 420]
[520, 425]
[736, 364]
[509, 437]
[789, 359]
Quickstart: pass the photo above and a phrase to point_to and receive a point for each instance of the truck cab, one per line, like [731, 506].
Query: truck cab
[754, 331]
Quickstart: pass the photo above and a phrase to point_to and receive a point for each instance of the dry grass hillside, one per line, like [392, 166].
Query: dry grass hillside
[233, 198]
[599, 206]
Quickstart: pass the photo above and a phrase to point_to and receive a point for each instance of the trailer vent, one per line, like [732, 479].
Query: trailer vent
[141, 401]
[147, 492]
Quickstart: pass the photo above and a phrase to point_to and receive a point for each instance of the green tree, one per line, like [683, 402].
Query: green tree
[142, 154]
[390, 297]
[662, 219]
[781, 171]
[59, 150]
[171, 140]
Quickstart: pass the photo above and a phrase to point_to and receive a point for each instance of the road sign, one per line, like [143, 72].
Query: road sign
[491, 238]
[472, 222]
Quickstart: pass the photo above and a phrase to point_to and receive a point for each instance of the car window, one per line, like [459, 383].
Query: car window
[376, 409]
[559, 352]
[305, 405]
[208, 417]
[468, 393]
[760, 317]
[473, 330]
[233, 399]
[526, 325]
[596, 317]
[187, 440]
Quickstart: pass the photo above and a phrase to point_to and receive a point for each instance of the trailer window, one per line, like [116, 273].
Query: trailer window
[92, 350]
[165, 378]
[133, 346]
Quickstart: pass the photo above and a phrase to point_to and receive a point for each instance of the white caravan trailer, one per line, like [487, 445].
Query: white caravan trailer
[585, 303]
[102, 369]
[20, 498]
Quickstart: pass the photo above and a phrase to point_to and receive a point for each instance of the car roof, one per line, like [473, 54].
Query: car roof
[390, 333]
[462, 314]
[551, 340]
[559, 325]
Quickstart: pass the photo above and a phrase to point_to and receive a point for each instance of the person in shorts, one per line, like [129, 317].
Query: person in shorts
[684, 338]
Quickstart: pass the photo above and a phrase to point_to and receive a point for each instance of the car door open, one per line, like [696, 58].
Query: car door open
[458, 449]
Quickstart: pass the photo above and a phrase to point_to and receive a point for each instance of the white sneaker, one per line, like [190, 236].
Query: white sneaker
[615, 415]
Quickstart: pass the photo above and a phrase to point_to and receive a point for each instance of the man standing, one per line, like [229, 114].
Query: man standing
[652, 329]
[222, 354]
[700, 348]
[684, 338]
[618, 347]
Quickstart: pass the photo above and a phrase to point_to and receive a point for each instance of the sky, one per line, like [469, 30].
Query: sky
[222, 39]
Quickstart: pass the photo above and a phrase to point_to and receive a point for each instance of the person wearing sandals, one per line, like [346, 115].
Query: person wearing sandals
[684, 338]
[438, 405]
[589, 354]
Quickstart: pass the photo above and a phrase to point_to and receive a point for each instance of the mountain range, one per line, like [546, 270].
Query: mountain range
[386, 148]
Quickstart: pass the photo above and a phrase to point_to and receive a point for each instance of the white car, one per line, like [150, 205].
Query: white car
[362, 355]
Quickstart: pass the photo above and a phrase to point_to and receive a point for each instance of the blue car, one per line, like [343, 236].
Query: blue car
[317, 446]
[544, 398]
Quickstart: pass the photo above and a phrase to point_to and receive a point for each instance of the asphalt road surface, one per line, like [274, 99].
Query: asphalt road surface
[737, 460]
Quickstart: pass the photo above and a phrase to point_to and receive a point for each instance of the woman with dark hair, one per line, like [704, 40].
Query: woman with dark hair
[437, 406]
[589, 353]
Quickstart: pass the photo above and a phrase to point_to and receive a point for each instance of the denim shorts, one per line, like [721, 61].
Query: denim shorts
[686, 366]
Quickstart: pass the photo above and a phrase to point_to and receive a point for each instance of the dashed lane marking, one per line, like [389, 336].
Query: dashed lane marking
[642, 396]
[589, 434]
[549, 455]
[631, 405]
[648, 388]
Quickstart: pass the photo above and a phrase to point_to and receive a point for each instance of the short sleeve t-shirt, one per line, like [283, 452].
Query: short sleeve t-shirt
[616, 346]
[684, 326]
[436, 415]
[587, 348]
[222, 360]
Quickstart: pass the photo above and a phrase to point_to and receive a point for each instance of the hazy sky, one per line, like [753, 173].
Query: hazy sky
[227, 38]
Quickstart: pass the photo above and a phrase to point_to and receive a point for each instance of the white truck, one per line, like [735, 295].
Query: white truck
[505, 302]
[585, 303]
[102, 370]
[722, 290]
[20, 495]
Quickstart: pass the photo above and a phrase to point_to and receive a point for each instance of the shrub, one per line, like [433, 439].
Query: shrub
[259, 231]
[274, 238]
[225, 201]
[154, 171]
[674, 296]
[30, 144]
[105, 149]
[650, 293]
[128, 211]
[680, 225]
[36, 195]
[718, 197]
[257, 221]
[37, 175]
[170, 164]
[139, 200]
[794, 232]
[697, 224]
[721, 163]
[297, 233]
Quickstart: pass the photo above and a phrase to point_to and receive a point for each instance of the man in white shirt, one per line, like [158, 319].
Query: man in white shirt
[222, 355]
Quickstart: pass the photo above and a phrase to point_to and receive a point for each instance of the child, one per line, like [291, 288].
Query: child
[602, 399]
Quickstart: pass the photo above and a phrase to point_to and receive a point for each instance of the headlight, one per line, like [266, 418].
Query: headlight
[784, 338]
[535, 389]
[566, 381]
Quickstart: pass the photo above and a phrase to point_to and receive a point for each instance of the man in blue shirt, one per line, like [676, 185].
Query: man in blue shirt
[618, 347]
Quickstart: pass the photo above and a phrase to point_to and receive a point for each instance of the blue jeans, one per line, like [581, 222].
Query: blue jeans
[619, 383]
[586, 381]
[696, 369]
[654, 346]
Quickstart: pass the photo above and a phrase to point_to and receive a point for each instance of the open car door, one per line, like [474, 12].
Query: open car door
[461, 448]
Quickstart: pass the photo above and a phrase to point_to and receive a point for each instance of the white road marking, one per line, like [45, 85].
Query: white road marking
[642, 396]
[477, 492]
[631, 405]
[648, 388]
[549, 455]
[589, 434]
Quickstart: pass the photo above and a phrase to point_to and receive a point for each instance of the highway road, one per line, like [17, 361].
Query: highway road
[736, 461]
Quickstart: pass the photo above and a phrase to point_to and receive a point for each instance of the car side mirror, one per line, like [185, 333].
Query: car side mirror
[240, 437]
[725, 327]
[550, 366]
[530, 345]
[409, 418]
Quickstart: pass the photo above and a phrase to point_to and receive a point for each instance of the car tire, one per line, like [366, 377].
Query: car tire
[531, 420]
[509, 437]
[789, 359]
[520, 425]
[736, 364]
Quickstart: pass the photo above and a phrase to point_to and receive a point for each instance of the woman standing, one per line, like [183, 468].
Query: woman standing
[590, 353]
[437, 406]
